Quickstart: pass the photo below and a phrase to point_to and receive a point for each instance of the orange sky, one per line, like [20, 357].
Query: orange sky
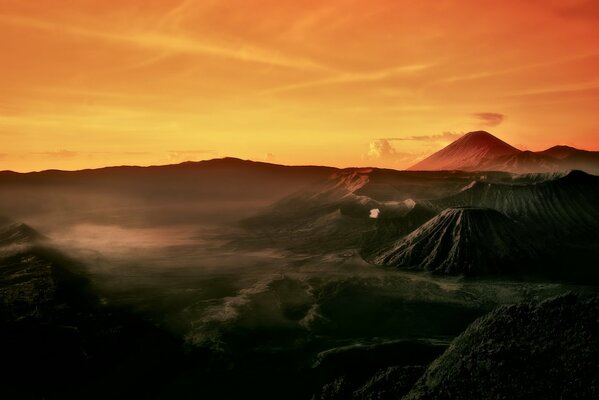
[92, 83]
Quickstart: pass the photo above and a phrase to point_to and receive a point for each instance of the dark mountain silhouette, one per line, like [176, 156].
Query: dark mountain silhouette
[18, 233]
[217, 178]
[191, 191]
[534, 225]
[335, 214]
[451, 222]
[562, 206]
[539, 350]
[58, 340]
[481, 151]
[522, 162]
[525, 351]
[560, 152]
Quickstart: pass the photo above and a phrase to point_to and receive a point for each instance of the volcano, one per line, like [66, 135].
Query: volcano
[460, 240]
[469, 152]
[481, 151]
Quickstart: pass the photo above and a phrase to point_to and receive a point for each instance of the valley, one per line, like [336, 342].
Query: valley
[230, 278]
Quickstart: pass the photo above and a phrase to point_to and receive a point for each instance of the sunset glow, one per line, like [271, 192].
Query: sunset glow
[90, 83]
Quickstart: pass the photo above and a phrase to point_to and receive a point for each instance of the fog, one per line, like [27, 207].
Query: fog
[191, 279]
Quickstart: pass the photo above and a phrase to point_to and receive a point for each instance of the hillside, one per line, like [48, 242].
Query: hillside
[463, 240]
[526, 351]
[469, 152]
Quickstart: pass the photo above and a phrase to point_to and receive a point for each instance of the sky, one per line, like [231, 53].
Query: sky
[90, 83]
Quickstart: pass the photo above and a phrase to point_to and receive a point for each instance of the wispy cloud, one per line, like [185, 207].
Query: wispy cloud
[174, 43]
[60, 153]
[354, 77]
[559, 89]
[489, 119]
[188, 155]
[68, 154]
[445, 136]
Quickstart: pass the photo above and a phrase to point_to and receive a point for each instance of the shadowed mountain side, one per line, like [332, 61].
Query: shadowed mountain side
[357, 191]
[18, 233]
[545, 224]
[386, 185]
[558, 207]
[574, 158]
[522, 162]
[543, 351]
[337, 211]
[561, 152]
[466, 241]
[57, 340]
[548, 228]
[389, 230]
[374, 372]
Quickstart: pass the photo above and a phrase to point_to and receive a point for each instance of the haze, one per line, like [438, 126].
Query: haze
[342, 83]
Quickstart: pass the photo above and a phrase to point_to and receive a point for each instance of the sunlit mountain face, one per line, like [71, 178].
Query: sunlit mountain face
[299, 200]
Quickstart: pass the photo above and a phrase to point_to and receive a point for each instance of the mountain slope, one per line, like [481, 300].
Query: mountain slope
[465, 240]
[527, 351]
[481, 151]
[192, 191]
[522, 162]
[18, 233]
[336, 213]
[562, 206]
[57, 338]
[467, 153]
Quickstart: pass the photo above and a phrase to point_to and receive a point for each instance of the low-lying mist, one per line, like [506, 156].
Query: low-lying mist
[189, 279]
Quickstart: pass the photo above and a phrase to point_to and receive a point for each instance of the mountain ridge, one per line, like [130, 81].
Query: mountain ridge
[467, 152]
[481, 151]
[474, 151]
[460, 240]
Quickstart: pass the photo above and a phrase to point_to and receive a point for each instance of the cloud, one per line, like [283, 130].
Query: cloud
[355, 77]
[489, 118]
[269, 157]
[168, 42]
[60, 153]
[381, 150]
[374, 213]
[188, 155]
[586, 9]
[63, 154]
[442, 137]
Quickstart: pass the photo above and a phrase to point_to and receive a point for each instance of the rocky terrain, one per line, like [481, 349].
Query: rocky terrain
[546, 350]
[525, 351]
[460, 223]
[462, 240]
[56, 338]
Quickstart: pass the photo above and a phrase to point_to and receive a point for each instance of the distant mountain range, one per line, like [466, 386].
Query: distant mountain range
[446, 222]
[481, 151]
[474, 151]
